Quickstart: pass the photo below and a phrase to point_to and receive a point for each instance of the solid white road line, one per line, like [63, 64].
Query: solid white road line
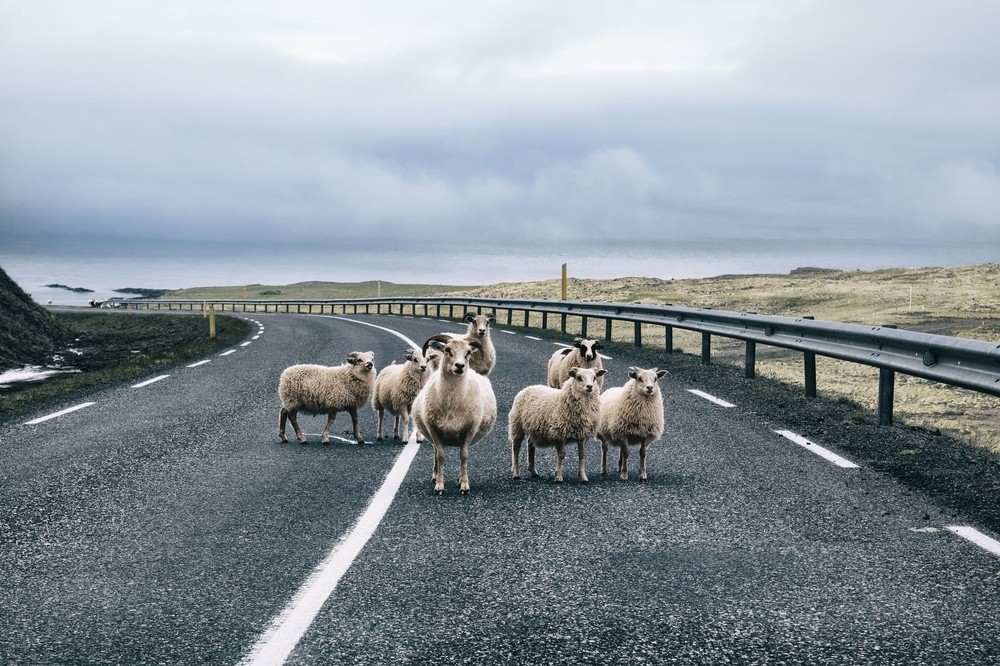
[150, 381]
[227, 353]
[65, 411]
[817, 449]
[976, 537]
[195, 365]
[711, 398]
[287, 629]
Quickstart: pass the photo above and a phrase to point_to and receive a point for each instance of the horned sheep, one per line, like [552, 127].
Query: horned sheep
[395, 388]
[631, 414]
[455, 407]
[583, 354]
[547, 416]
[479, 330]
[319, 389]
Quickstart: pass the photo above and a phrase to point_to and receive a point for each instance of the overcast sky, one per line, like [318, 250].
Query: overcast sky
[299, 119]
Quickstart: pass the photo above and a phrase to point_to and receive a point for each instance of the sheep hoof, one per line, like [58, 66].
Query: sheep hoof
[396, 437]
[584, 482]
[379, 439]
[438, 492]
[326, 442]
[558, 480]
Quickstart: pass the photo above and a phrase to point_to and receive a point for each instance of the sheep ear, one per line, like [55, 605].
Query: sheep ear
[409, 354]
[572, 372]
[476, 346]
[470, 317]
[352, 358]
[602, 372]
[660, 374]
[490, 318]
[566, 352]
[598, 345]
[632, 373]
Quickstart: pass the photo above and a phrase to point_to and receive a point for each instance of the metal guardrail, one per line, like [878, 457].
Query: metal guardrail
[960, 362]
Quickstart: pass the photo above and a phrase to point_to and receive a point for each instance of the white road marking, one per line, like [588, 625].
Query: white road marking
[508, 332]
[817, 449]
[256, 337]
[711, 398]
[65, 411]
[975, 536]
[150, 381]
[287, 629]
[227, 353]
[195, 365]
[445, 321]
[246, 343]
[531, 337]
[285, 632]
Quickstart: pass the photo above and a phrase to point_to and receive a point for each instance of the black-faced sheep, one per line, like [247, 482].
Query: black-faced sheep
[583, 354]
[631, 414]
[395, 388]
[456, 407]
[479, 330]
[319, 389]
[550, 417]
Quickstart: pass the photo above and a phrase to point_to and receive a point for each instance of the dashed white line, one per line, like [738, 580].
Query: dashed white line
[195, 365]
[975, 536]
[60, 413]
[287, 629]
[711, 398]
[227, 353]
[817, 449]
[150, 381]
[248, 342]
[531, 337]
[256, 337]
[508, 332]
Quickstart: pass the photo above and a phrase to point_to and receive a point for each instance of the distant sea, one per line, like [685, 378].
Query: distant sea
[175, 266]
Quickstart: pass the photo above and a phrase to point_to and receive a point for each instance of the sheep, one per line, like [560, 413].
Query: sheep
[631, 414]
[395, 388]
[318, 389]
[479, 330]
[455, 407]
[583, 354]
[548, 416]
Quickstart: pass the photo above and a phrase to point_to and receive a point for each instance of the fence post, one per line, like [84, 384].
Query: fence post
[750, 360]
[809, 368]
[638, 334]
[886, 389]
[562, 322]
[607, 329]
[668, 339]
[545, 320]
[527, 313]
[706, 348]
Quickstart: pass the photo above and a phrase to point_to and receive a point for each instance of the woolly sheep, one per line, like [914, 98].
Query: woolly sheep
[583, 354]
[455, 407]
[631, 414]
[548, 416]
[479, 330]
[319, 389]
[395, 388]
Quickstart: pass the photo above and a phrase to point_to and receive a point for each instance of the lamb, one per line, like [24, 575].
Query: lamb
[395, 388]
[631, 414]
[548, 416]
[319, 389]
[583, 354]
[479, 330]
[455, 407]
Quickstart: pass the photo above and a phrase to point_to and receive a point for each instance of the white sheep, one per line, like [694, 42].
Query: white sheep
[583, 354]
[395, 388]
[631, 414]
[319, 389]
[479, 330]
[455, 407]
[548, 416]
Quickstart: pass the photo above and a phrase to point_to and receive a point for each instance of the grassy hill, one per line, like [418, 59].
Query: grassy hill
[28, 332]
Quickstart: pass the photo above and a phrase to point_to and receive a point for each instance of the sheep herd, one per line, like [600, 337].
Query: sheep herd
[445, 388]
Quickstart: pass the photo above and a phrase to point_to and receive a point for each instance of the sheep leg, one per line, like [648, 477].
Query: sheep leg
[329, 423]
[353, 411]
[283, 416]
[438, 469]
[642, 459]
[515, 457]
[583, 461]
[463, 470]
[378, 428]
[604, 457]
[623, 461]
[531, 459]
[293, 418]
[560, 456]
[404, 416]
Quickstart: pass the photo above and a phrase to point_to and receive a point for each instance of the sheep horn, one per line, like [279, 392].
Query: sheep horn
[443, 339]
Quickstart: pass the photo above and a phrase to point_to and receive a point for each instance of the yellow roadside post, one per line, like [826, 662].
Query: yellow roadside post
[564, 290]
[211, 321]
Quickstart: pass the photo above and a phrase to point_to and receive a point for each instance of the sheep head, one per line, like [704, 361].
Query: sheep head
[588, 348]
[479, 323]
[363, 361]
[585, 379]
[646, 382]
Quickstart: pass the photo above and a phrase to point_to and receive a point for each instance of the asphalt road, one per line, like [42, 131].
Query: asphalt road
[165, 524]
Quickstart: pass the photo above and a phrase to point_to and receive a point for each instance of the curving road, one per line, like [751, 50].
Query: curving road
[162, 523]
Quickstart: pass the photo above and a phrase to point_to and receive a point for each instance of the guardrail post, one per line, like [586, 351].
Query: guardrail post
[607, 329]
[750, 360]
[638, 334]
[886, 390]
[510, 316]
[668, 339]
[562, 322]
[527, 314]
[451, 312]
[706, 348]
[809, 367]
[545, 320]
[583, 326]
